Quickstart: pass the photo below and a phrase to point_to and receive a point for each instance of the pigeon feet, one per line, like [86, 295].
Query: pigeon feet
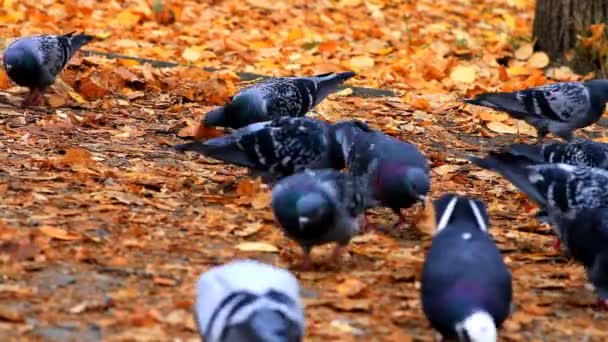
[366, 226]
[34, 98]
[602, 304]
[336, 254]
[306, 264]
[556, 244]
[402, 219]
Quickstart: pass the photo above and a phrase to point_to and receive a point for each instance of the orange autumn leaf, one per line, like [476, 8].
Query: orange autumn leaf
[58, 233]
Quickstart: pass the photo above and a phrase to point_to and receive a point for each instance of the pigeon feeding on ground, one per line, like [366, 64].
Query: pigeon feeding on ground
[466, 286]
[578, 152]
[246, 300]
[275, 98]
[398, 172]
[278, 148]
[559, 108]
[35, 61]
[320, 206]
[585, 234]
[564, 186]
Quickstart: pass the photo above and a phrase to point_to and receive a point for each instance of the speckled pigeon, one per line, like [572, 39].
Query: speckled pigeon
[585, 234]
[559, 108]
[563, 186]
[35, 61]
[277, 97]
[578, 152]
[398, 171]
[275, 149]
[246, 300]
[466, 287]
[320, 206]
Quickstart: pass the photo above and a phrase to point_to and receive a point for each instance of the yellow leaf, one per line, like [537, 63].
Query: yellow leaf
[58, 233]
[426, 222]
[493, 116]
[500, 127]
[518, 70]
[192, 54]
[261, 200]
[257, 247]
[350, 287]
[602, 139]
[103, 35]
[127, 18]
[445, 169]
[361, 62]
[538, 60]
[344, 92]
[464, 74]
[524, 52]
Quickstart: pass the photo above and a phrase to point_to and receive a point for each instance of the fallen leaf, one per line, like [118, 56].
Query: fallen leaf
[493, 116]
[350, 287]
[261, 200]
[524, 51]
[445, 169]
[500, 127]
[538, 60]
[426, 222]
[58, 233]
[464, 74]
[361, 62]
[257, 247]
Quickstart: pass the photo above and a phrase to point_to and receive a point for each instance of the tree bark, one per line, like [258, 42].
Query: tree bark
[557, 23]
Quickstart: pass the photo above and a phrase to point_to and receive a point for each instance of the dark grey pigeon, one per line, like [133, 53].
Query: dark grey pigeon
[466, 286]
[276, 149]
[275, 98]
[585, 234]
[563, 186]
[35, 61]
[578, 152]
[246, 300]
[559, 108]
[398, 172]
[320, 206]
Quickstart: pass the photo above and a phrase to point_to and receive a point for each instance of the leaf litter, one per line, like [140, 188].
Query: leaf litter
[105, 229]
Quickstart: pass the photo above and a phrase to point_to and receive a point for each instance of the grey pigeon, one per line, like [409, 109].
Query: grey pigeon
[397, 170]
[246, 300]
[276, 149]
[466, 287]
[578, 152]
[559, 108]
[315, 207]
[35, 61]
[562, 186]
[275, 98]
[585, 234]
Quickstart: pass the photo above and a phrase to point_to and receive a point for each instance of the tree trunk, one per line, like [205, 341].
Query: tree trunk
[557, 23]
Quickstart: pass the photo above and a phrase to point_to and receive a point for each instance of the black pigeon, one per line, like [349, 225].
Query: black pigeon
[246, 300]
[585, 234]
[563, 186]
[276, 149]
[275, 98]
[559, 108]
[578, 152]
[320, 206]
[466, 286]
[35, 61]
[398, 172]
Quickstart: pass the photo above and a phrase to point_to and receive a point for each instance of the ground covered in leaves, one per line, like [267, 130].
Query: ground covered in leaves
[104, 229]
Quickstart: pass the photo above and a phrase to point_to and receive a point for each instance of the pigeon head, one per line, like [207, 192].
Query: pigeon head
[312, 209]
[264, 325]
[394, 180]
[477, 327]
[599, 88]
[216, 117]
[451, 208]
[18, 60]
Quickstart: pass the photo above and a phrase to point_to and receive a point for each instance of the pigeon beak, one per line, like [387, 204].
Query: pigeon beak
[303, 220]
[8, 67]
[422, 198]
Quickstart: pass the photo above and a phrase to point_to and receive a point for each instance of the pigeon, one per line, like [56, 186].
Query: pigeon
[276, 149]
[275, 98]
[578, 152]
[466, 288]
[564, 186]
[247, 300]
[559, 108]
[35, 61]
[315, 207]
[585, 234]
[398, 171]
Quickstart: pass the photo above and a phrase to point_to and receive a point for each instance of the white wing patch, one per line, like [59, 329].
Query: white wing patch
[445, 218]
[478, 217]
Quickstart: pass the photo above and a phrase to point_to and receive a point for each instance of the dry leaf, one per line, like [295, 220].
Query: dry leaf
[257, 247]
[538, 60]
[493, 116]
[261, 200]
[58, 233]
[464, 74]
[445, 169]
[361, 62]
[524, 51]
[350, 287]
[426, 222]
[500, 127]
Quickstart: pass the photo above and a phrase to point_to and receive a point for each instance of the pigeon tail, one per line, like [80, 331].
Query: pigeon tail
[532, 152]
[477, 327]
[77, 41]
[268, 326]
[501, 101]
[328, 83]
[513, 168]
[216, 117]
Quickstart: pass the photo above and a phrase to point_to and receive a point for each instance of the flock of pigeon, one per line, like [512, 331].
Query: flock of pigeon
[466, 287]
